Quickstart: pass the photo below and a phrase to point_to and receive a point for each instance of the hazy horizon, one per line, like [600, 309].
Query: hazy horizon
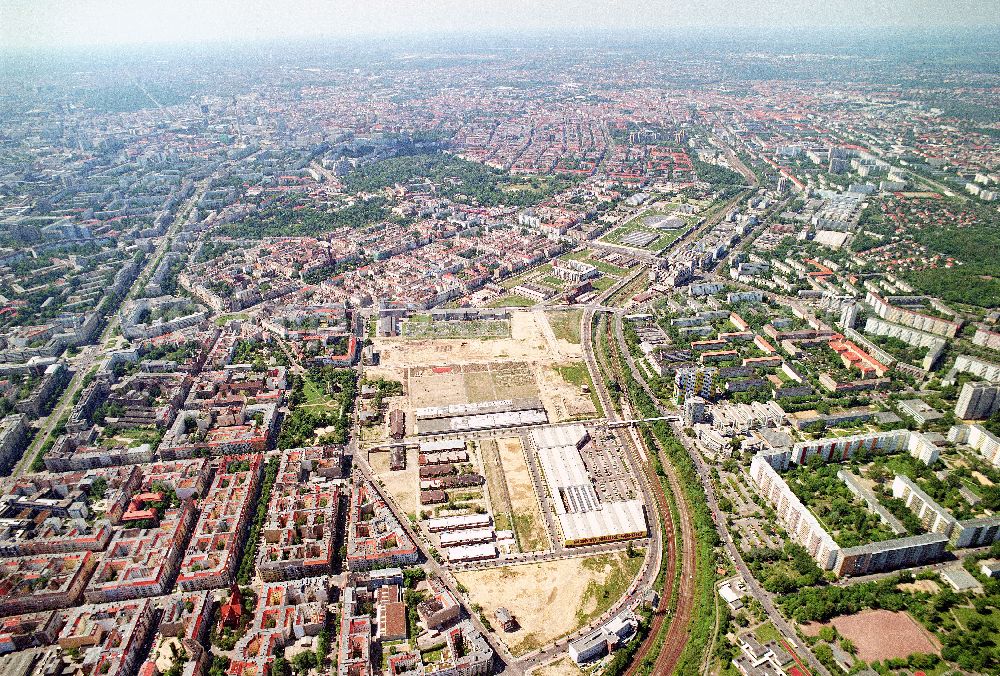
[34, 25]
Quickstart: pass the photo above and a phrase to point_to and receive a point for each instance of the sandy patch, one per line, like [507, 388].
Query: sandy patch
[403, 485]
[527, 343]
[563, 666]
[929, 586]
[561, 347]
[563, 400]
[982, 479]
[543, 597]
[881, 634]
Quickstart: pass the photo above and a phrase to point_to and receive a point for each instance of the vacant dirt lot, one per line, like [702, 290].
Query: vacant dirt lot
[563, 666]
[527, 518]
[544, 597]
[563, 400]
[403, 485]
[441, 372]
[929, 586]
[527, 343]
[881, 634]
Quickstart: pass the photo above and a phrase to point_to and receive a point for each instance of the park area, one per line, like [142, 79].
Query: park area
[553, 598]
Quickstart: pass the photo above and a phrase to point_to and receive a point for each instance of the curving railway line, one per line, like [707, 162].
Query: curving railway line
[669, 654]
[677, 634]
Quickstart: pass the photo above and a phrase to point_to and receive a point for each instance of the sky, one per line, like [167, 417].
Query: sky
[74, 23]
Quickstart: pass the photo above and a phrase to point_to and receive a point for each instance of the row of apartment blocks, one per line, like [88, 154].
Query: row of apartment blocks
[885, 309]
[937, 519]
[225, 512]
[805, 529]
[979, 439]
[836, 449]
[299, 531]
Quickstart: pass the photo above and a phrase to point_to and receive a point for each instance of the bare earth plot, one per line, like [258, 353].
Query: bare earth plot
[496, 485]
[527, 343]
[403, 485]
[546, 598]
[528, 525]
[881, 634]
[563, 666]
[563, 400]
[441, 372]
[435, 386]
[566, 325]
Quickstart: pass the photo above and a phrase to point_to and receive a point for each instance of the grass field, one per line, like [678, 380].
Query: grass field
[766, 632]
[665, 236]
[619, 569]
[566, 325]
[222, 320]
[606, 268]
[604, 283]
[512, 300]
[495, 485]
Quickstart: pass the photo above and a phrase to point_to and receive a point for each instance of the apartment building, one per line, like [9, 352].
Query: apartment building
[43, 582]
[978, 401]
[976, 532]
[298, 533]
[694, 382]
[226, 510]
[109, 637]
[979, 439]
[375, 537]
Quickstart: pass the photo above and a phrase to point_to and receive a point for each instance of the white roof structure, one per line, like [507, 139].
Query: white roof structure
[465, 537]
[560, 435]
[458, 522]
[582, 515]
[613, 521]
[486, 550]
[442, 445]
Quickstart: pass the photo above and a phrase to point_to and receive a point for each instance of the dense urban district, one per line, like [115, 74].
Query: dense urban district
[457, 360]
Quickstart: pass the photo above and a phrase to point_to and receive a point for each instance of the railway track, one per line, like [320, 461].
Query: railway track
[680, 625]
[669, 655]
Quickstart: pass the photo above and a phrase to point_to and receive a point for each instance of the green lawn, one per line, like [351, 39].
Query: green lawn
[531, 273]
[766, 632]
[222, 320]
[554, 281]
[604, 283]
[315, 395]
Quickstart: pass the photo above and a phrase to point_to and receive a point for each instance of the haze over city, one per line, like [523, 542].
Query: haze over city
[456, 338]
[44, 24]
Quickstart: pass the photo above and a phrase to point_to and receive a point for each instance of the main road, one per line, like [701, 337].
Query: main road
[90, 355]
[719, 516]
